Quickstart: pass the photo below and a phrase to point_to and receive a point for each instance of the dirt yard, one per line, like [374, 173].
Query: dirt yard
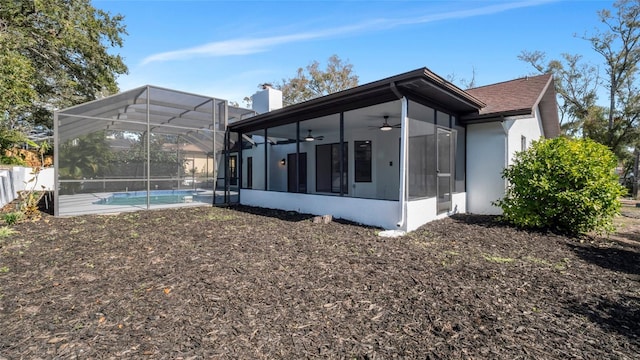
[247, 283]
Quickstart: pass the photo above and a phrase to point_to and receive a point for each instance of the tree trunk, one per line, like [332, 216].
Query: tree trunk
[635, 173]
[612, 106]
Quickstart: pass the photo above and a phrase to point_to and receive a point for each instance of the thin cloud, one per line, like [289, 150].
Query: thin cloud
[246, 46]
[467, 13]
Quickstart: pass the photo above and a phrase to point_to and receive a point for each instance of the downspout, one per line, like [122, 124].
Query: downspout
[506, 125]
[404, 136]
[148, 148]
[404, 132]
[214, 169]
[56, 165]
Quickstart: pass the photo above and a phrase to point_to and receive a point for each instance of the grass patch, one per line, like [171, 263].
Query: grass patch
[218, 216]
[498, 259]
[537, 261]
[6, 231]
[561, 265]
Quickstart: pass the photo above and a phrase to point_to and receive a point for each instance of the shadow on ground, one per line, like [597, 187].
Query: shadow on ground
[623, 260]
[621, 315]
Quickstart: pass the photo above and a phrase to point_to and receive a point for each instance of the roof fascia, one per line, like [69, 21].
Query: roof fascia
[499, 116]
[461, 94]
[326, 105]
[543, 92]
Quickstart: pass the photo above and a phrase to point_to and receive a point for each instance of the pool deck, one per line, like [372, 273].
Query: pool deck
[83, 204]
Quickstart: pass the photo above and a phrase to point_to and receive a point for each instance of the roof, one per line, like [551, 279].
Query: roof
[519, 97]
[486, 103]
[192, 116]
[419, 83]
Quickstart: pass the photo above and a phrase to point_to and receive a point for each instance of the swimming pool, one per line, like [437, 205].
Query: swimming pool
[156, 197]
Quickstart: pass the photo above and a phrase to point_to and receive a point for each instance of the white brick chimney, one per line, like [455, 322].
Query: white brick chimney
[266, 100]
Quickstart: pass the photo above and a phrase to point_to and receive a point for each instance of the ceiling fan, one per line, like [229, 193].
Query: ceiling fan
[310, 137]
[385, 125]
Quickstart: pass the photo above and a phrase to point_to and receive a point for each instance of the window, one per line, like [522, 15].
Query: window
[328, 168]
[523, 143]
[460, 155]
[249, 172]
[363, 161]
[233, 170]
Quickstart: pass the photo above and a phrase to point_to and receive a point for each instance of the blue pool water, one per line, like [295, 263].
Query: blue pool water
[155, 197]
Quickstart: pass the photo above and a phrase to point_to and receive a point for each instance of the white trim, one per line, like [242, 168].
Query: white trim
[372, 212]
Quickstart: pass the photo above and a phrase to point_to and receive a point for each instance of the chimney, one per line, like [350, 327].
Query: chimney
[267, 99]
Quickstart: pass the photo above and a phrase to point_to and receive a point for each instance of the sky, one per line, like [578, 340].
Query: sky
[225, 49]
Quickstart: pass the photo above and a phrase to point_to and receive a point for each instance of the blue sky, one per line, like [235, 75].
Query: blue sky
[226, 48]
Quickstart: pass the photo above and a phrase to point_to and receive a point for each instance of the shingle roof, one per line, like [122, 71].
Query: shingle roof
[515, 96]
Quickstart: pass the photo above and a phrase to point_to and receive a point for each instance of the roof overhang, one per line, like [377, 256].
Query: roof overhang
[417, 84]
[498, 116]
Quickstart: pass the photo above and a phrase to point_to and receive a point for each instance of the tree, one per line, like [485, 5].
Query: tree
[313, 82]
[8, 140]
[619, 45]
[462, 82]
[563, 185]
[576, 85]
[85, 157]
[54, 54]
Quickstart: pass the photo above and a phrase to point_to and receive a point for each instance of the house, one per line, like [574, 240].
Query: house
[395, 153]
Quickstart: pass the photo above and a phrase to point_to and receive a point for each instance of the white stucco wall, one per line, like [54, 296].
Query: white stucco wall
[420, 212]
[486, 148]
[257, 155]
[386, 175]
[380, 213]
[277, 180]
[384, 164]
[487, 145]
[530, 128]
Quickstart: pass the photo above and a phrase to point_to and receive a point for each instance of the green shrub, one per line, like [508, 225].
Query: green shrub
[564, 185]
[12, 217]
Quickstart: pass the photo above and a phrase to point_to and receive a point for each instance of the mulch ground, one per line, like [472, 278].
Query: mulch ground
[251, 283]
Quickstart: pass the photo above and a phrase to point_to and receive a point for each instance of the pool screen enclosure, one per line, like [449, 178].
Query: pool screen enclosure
[144, 148]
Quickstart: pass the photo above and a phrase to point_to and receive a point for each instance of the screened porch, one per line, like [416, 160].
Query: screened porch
[350, 164]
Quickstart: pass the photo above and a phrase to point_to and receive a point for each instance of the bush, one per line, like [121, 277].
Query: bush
[564, 185]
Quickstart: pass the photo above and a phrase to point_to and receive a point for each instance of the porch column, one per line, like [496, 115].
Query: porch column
[341, 154]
